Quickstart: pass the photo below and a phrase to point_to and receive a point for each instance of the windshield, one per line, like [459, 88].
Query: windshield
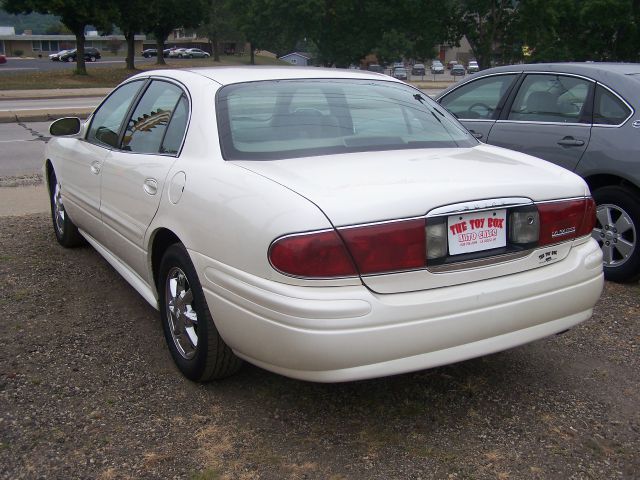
[270, 120]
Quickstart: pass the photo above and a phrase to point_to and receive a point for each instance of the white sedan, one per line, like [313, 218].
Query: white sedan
[326, 225]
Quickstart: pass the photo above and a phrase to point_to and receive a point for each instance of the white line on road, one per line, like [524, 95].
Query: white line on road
[20, 68]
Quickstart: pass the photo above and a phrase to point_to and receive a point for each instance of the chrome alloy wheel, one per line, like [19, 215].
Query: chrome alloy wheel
[58, 209]
[183, 320]
[616, 234]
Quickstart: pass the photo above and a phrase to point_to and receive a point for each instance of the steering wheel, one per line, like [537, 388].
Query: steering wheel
[481, 106]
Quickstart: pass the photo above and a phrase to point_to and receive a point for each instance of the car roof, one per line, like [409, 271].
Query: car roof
[230, 75]
[579, 68]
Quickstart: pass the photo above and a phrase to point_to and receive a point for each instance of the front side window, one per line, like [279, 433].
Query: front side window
[608, 108]
[551, 98]
[108, 119]
[146, 127]
[298, 118]
[480, 98]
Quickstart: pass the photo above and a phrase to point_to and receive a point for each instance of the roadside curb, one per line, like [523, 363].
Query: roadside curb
[53, 93]
[42, 115]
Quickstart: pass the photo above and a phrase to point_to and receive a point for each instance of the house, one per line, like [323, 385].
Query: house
[30, 45]
[300, 59]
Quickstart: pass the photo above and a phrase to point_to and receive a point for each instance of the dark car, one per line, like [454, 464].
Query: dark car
[150, 52]
[418, 69]
[375, 68]
[457, 70]
[90, 55]
[581, 116]
[3, 59]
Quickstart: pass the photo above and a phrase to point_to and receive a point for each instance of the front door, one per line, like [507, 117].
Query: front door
[133, 176]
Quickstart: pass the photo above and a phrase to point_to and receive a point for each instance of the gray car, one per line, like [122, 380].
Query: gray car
[582, 116]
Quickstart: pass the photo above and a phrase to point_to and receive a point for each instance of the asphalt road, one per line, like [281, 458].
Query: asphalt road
[22, 148]
[44, 64]
[48, 104]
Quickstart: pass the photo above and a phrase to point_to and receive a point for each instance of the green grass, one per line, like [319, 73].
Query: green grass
[106, 77]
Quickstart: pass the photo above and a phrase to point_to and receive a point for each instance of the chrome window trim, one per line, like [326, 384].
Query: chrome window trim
[631, 109]
[531, 122]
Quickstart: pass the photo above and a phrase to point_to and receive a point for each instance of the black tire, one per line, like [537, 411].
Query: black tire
[65, 230]
[619, 202]
[92, 58]
[67, 59]
[211, 358]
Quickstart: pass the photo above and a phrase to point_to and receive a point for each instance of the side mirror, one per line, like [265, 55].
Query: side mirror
[65, 126]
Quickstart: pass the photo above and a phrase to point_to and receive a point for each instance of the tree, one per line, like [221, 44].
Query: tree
[484, 23]
[131, 19]
[74, 14]
[166, 15]
[220, 24]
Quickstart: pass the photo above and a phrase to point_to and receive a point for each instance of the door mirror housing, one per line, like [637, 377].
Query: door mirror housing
[65, 126]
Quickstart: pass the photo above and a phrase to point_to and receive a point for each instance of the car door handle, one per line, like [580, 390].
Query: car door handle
[475, 134]
[96, 167]
[570, 142]
[151, 186]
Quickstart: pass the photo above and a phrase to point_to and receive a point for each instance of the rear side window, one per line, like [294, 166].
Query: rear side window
[108, 119]
[478, 99]
[551, 98]
[146, 127]
[608, 108]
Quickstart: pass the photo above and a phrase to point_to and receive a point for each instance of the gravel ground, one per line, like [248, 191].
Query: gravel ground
[88, 390]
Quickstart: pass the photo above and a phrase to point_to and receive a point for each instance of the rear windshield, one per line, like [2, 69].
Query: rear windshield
[271, 120]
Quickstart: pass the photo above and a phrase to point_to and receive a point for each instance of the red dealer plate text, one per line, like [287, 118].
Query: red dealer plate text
[474, 232]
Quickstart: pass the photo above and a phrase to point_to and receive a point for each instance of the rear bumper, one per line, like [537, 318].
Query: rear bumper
[331, 334]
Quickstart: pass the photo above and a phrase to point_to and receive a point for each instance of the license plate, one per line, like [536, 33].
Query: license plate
[474, 232]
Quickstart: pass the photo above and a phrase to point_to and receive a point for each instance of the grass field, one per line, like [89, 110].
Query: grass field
[112, 76]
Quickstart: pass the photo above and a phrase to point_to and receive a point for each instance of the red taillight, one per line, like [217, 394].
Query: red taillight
[314, 255]
[387, 247]
[565, 220]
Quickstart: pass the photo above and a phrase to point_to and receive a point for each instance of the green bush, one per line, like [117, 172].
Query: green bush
[18, 53]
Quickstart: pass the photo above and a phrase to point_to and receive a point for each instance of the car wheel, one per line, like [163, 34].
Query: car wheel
[180, 55]
[190, 56]
[67, 59]
[66, 231]
[617, 229]
[92, 58]
[195, 344]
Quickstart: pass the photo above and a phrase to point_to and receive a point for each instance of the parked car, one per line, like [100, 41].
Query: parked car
[177, 53]
[55, 57]
[196, 53]
[90, 54]
[451, 64]
[418, 69]
[473, 67]
[375, 68]
[457, 70]
[150, 52]
[437, 67]
[581, 116]
[3, 59]
[400, 73]
[334, 227]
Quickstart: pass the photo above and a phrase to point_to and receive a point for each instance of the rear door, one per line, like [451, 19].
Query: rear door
[549, 117]
[477, 104]
[133, 177]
